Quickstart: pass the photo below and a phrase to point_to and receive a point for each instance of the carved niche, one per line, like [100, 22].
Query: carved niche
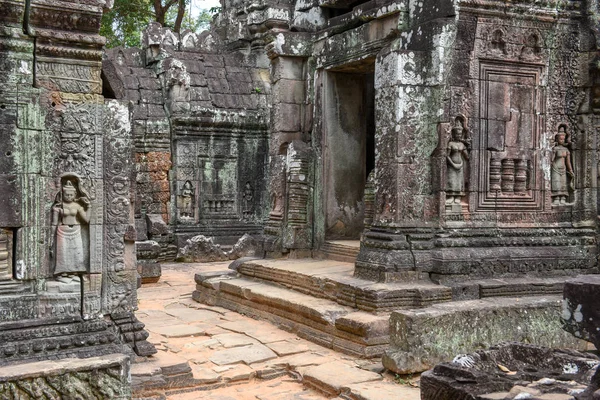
[510, 121]
[209, 164]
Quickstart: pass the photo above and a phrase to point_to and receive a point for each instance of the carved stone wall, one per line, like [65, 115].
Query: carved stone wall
[200, 129]
[484, 136]
[522, 202]
[66, 261]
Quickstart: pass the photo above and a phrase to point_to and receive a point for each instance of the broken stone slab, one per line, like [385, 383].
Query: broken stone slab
[201, 249]
[156, 225]
[186, 314]
[247, 355]
[204, 375]
[513, 371]
[331, 377]
[286, 348]
[422, 338]
[581, 313]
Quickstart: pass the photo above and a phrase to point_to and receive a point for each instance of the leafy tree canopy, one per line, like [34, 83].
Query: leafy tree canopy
[123, 24]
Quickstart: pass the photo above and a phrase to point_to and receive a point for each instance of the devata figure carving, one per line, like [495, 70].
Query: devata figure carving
[186, 200]
[457, 154]
[69, 243]
[247, 197]
[562, 171]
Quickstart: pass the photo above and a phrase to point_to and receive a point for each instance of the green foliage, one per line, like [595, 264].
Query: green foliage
[404, 379]
[195, 24]
[124, 23]
[122, 26]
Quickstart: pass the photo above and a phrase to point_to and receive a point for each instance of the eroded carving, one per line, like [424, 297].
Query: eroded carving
[70, 218]
[247, 197]
[561, 168]
[186, 200]
[456, 158]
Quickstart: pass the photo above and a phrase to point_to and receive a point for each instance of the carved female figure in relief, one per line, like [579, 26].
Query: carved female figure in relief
[186, 199]
[70, 210]
[562, 171]
[457, 154]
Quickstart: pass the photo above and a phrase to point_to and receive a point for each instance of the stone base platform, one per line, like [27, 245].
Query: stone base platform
[105, 377]
[322, 301]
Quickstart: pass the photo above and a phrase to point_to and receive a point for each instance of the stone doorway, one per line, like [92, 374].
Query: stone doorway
[348, 148]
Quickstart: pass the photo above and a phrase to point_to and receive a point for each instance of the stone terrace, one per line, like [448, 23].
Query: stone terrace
[210, 352]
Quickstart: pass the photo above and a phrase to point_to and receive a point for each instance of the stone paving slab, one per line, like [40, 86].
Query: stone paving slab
[194, 315]
[190, 373]
[177, 331]
[380, 391]
[228, 340]
[332, 377]
[285, 348]
[246, 354]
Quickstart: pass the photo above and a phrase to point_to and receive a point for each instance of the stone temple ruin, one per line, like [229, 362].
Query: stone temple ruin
[448, 150]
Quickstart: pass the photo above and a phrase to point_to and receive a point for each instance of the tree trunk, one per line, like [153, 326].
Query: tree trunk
[180, 14]
[159, 12]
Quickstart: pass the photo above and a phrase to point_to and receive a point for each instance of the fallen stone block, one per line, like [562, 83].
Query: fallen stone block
[581, 311]
[420, 339]
[513, 371]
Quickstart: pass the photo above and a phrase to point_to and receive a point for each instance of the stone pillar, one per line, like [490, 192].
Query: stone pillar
[407, 113]
[290, 158]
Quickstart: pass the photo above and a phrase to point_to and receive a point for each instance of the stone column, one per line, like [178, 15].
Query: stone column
[290, 187]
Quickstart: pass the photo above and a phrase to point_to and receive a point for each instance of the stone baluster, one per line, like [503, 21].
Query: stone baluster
[508, 175]
[495, 168]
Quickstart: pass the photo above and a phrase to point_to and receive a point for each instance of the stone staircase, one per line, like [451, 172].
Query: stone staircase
[340, 250]
[321, 300]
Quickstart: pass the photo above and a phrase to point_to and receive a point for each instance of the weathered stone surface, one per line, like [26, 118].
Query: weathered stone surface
[379, 390]
[246, 354]
[67, 206]
[331, 378]
[96, 377]
[156, 225]
[176, 331]
[581, 315]
[419, 339]
[201, 249]
[513, 371]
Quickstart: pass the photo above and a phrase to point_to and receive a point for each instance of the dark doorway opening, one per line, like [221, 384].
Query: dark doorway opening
[349, 147]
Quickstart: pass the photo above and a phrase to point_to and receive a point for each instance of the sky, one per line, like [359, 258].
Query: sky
[198, 5]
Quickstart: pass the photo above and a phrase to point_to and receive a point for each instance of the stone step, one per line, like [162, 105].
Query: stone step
[340, 251]
[508, 287]
[333, 280]
[319, 320]
[323, 302]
